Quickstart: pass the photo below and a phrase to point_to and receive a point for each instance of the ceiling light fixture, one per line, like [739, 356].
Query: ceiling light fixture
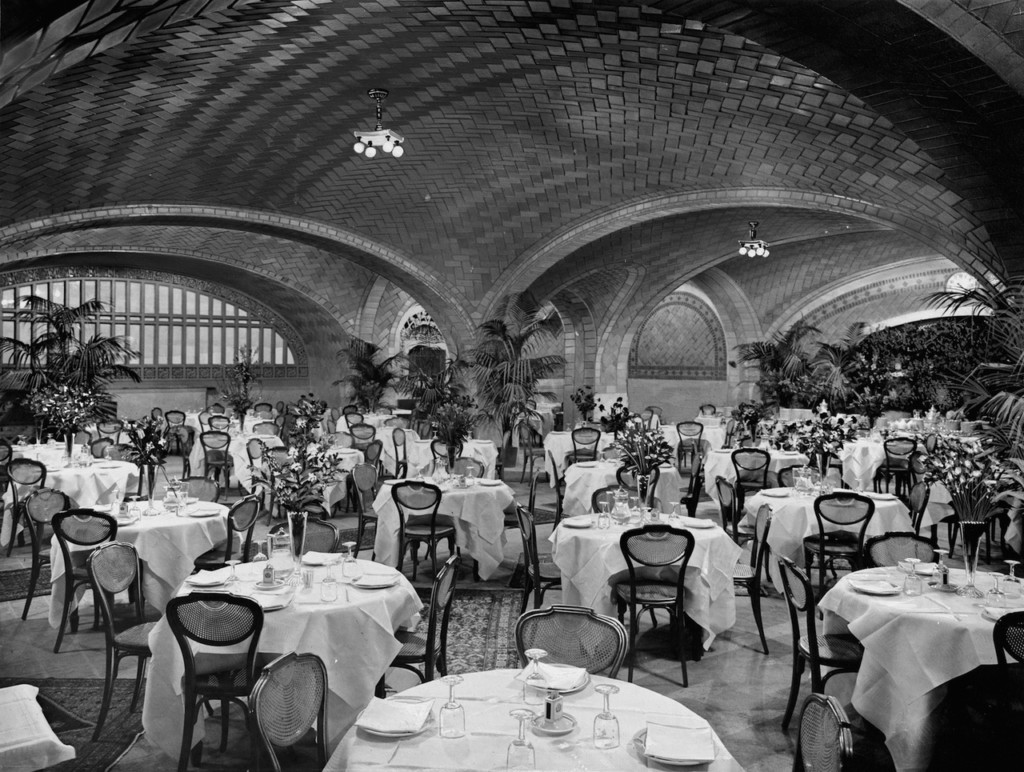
[367, 142]
[753, 246]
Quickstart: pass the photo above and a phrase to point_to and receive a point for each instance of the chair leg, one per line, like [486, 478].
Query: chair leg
[69, 593]
[140, 673]
[108, 689]
[632, 640]
[527, 590]
[33, 578]
[224, 705]
[683, 640]
[754, 590]
[794, 689]
[186, 734]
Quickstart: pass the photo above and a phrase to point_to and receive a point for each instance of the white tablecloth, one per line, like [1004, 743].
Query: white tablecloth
[420, 455]
[487, 698]
[239, 456]
[582, 479]
[912, 649]
[478, 513]
[167, 545]
[558, 444]
[26, 740]
[88, 486]
[793, 520]
[718, 463]
[386, 436]
[591, 560]
[354, 636]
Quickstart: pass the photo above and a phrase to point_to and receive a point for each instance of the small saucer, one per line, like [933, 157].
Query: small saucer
[563, 726]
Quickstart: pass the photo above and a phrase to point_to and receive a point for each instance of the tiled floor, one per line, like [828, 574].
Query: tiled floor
[735, 686]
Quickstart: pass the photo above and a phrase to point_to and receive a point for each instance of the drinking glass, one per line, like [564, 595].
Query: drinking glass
[452, 716]
[233, 562]
[350, 570]
[996, 597]
[535, 687]
[1012, 585]
[912, 585]
[604, 520]
[329, 586]
[281, 556]
[904, 567]
[520, 751]
[606, 726]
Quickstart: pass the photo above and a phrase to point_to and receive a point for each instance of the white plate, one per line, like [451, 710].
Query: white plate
[202, 513]
[489, 483]
[776, 493]
[579, 687]
[640, 744]
[565, 725]
[271, 587]
[879, 496]
[696, 522]
[578, 521]
[874, 587]
[586, 464]
[375, 582]
[204, 584]
[993, 613]
[410, 733]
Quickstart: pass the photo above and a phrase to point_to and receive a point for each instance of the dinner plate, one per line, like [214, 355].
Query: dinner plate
[108, 466]
[776, 493]
[879, 496]
[578, 688]
[489, 483]
[696, 522]
[203, 513]
[275, 586]
[399, 733]
[874, 587]
[375, 581]
[204, 584]
[578, 521]
[640, 745]
[993, 613]
[586, 464]
[563, 726]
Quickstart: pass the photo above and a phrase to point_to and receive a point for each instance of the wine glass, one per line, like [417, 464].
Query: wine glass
[452, 716]
[912, 585]
[604, 519]
[996, 597]
[1011, 584]
[233, 562]
[535, 687]
[349, 566]
[520, 751]
[329, 586]
[905, 567]
[606, 726]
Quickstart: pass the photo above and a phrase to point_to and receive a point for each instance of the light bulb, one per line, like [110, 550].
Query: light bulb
[743, 251]
[359, 147]
[759, 252]
[388, 146]
[371, 151]
[398, 151]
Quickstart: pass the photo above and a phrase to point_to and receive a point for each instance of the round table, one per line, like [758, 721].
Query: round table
[718, 463]
[477, 511]
[583, 478]
[354, 636]
[913, 647]
[420, 455]
[487, 698]
[590, 561]
[237, 450]
[558, 444]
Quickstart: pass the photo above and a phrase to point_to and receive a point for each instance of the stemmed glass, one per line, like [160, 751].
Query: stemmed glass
[520, 751]
[1011, 584]
[606, 726]
[535, 686]
[233, 562]
[996, 597]
[349, 566]
[452, 716]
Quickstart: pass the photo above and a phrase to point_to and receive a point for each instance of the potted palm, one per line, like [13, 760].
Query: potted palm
[370, 374]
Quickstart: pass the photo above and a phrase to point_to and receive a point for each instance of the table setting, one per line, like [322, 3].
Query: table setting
[559, 444]
[488, 720]
[583, 478]
[420, 455]
[718, 463]
[325, 605]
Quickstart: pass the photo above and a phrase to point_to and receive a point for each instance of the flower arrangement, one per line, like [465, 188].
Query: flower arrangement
[146, 440]
[970, 473]
[618, 417]
[585, 403]
[453, 421]
[824, 436]
[65, 406]
[643, 449]
[783, 435]
[242, 388]
[749, 414]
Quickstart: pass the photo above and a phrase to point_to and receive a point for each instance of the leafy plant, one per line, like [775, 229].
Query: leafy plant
[432, 390]
[643, 449]
[65, 407]
[787, 373]
[147, 446]
[242, 389]
[618, 417]
[454, 421]
[583, 398]
[370, 374]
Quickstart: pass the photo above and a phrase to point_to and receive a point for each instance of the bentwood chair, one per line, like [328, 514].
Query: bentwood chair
[431, 651]
[627, 479]
[111, 429]
[470, 467]
[288, 699]
[708, 409]
[751, 467]
[214, 620]
[203, 488]
[216, 408]
[439, 450]
[364, 483]
[824, 741]
[216, 458]
[584, 445]
[398, 437]
[541, 575]
[890, 548]
[895, 468]
[787, 476]
[263, 408]
[362, 434]
[655, 546]
[242, 519]
[266, 428]
[81, 528]
[841, 652]
[40, 507]
[836, 513]
[601, 496]
[536, 511]
[98, 447]
[373, 453]
[749, 576]
[732, 511]
[573, 635]
[352, 417]
[690, 496]
[219, 423]
[691, 434]
[25, 475]
[1008, 638]
[114, 568]
[418, 521]
[531, 445]
[320, 535]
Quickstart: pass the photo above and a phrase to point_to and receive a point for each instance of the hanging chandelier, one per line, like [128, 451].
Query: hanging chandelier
[753, 246]
[367, 142]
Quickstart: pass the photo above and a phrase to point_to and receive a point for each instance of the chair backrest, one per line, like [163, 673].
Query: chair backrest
[800, 599]
[898, 450]
[175, 417]
[341, 440]
[844, 508]
[40, 507]
[82, 437]
[362, 434]
[890, 548]
[398, 440]
[215, 445]
[787, 476]
[97, 447]
[113, 568]
[219, 423]
[353, 417]
[573, 635]
[528, 534]
[349, 409]
[627, 479]
[215, 619]
[918, 501]
[708, 409]
[216, 408]
[5, 451]
[584, 441]
[279, 406]
[559, 480]
[442, 593]
[109, 428]
[930, 443]
[373, 451]
[824, 741]
[439, 449]
[730, 433]
[603, 494]
[242, 519]
[364, 477]
[262, 407]
[760, 550]
[690, 431]
[267, 428]
[157, 414]
[656, 546]
[288, 699]
[185, 437]
[254, 449]
[26, 473]
[204, 420]
[320, 536]
[727, 503]
[203, 488]
[84, 527]
[470, 467]
[751, 466]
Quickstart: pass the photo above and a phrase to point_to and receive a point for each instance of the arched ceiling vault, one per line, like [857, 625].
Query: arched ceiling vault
[546, 142]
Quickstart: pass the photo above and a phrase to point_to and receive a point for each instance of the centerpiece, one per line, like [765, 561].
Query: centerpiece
[453, 423]
[643, 450]
[749, 415]
[65, 408]
[242, 389]
[147, 448]
[821, 438]
[618, 418]
[583, 398]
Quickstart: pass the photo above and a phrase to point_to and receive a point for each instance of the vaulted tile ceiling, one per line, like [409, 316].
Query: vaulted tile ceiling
[598, 154]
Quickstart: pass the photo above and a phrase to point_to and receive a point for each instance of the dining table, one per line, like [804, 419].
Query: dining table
[713, 437]
[583, 478]
[558, 444]
[237, 450]
[487, 698]
[913, 647]
[420, 455]
[477, 510]
[793, 520]
[718, 463]
[354, 635]
[167, 543]
[590, 561]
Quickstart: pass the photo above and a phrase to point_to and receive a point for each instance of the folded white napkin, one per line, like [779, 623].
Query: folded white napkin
[374, 580]
[695, 522]
[995, 612]
[679, 738]
[209, 578]
[395, 715]
[312, 558]
[561, 677]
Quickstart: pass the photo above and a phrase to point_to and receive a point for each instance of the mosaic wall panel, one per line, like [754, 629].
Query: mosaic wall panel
[682, 339]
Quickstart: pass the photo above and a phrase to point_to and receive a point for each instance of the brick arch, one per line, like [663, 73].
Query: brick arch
[964, 245]
[681, 339]
[377, 257]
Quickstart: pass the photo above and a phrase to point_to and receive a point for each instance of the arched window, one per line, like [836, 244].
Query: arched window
[181, 328]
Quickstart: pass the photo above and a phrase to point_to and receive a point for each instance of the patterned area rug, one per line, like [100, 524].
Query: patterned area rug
[14, 584]
[71, 705]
